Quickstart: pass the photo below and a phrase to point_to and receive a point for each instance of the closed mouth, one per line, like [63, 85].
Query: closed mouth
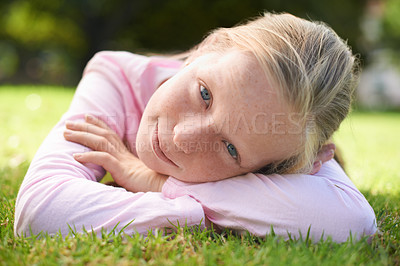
[157, 148]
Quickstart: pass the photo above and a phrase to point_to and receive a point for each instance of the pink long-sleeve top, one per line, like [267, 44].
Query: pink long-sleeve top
[59, 192]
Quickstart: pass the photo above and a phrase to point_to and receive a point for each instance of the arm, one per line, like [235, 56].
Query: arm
[253, 202]
[327, 203]
[58, 192]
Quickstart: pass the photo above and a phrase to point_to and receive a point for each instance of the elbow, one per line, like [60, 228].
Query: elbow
[31, 205]
[352, 223]
[21, 216]
[362, 223]
[25, 214]
[340, 220]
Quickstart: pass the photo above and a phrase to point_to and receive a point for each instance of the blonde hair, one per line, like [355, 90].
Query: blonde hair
[313, 67]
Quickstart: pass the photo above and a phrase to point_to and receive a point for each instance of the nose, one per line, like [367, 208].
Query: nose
[194, 134]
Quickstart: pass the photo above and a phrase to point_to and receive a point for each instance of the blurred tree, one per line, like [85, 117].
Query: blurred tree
[53, 40]
[390, 36]
[47, 44]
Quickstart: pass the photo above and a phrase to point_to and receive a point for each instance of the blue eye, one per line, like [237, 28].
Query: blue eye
[232, 150]
[205, 95]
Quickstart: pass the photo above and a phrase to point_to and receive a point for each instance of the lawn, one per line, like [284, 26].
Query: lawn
[371, 147]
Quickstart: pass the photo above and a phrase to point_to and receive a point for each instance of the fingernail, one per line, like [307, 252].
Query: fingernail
[69, 123]
[329, 152]
[67, 132]
[89, 117]
[317, 163]
[77, 155]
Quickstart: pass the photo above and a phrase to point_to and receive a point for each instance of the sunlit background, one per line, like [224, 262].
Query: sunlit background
[45, 45]
[49, 42]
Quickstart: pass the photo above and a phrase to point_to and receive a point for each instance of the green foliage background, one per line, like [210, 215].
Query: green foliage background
[51, 41]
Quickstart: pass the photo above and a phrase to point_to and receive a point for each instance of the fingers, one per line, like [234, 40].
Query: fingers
[96, 121]
[86, 127]
[93, 133]
[316, 167]
[328, 147]
[104, 159]
[93, 141]
[92, 125]
[326, 153]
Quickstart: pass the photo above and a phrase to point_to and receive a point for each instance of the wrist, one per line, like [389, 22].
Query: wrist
[140, 178]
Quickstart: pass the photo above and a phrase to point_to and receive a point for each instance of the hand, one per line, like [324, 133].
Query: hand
[111, 153]
[325, 154]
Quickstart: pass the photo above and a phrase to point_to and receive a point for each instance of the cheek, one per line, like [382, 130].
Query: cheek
[167, 101]
[207, 169]
[176, 92]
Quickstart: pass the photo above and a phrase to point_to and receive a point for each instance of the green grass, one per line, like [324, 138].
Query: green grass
[370, 143]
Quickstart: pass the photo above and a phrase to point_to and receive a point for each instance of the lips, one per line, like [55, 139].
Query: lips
[157, 148]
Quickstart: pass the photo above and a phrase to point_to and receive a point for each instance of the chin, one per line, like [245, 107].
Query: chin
[190, 177]
[152, 164]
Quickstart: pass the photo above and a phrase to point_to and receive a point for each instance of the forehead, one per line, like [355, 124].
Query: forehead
[247, 107]
[237, 72]
[231, 62]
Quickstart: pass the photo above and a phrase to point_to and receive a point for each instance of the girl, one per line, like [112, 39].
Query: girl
[230, 137]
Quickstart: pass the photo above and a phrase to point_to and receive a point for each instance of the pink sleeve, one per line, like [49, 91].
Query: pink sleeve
[58, 192]
[328, 203]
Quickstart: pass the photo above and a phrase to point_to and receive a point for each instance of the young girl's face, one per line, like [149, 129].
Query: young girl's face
[218, 117]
